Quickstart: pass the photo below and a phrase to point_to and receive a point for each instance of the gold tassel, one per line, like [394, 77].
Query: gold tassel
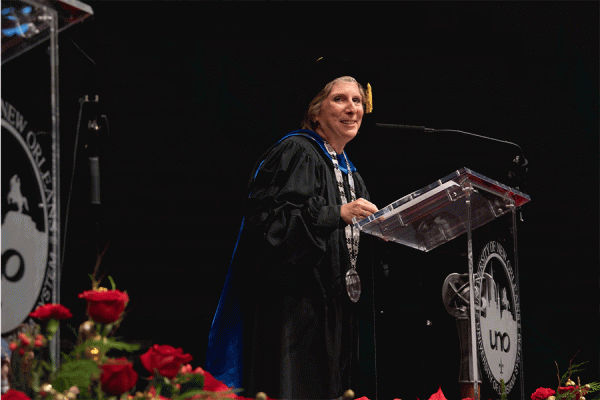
[369, 102]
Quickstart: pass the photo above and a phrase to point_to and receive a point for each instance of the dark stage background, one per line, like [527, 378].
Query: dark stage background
[190, 90]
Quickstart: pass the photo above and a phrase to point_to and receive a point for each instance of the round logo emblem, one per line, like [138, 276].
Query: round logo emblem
[498, 319]
[29, 240]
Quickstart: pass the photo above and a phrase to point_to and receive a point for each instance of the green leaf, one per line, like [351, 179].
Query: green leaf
[112, 283]
[206, 394]
[168, 391]
[188, 394]
[571, 370]
[196, 381]
[123, 346]
[105, 345]
[594, 387]
[77, 372]
[503, 394]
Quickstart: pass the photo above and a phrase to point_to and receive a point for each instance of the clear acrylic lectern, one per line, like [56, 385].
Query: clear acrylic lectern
[486, 210]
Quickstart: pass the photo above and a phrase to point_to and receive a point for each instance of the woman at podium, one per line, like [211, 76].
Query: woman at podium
[286, 323]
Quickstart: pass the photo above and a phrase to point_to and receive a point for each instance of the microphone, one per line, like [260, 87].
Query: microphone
[520, 163]
[94, 165]
[93, 150]
[404, 127]
[424, 129]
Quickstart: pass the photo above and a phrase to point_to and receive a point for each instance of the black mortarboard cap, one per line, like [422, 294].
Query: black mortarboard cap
[311, 80]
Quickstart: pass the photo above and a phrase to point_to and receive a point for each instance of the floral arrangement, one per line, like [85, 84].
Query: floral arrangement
[91, 371]
[567, 389]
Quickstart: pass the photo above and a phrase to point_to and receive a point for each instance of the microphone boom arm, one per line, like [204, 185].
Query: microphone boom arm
[519, 160]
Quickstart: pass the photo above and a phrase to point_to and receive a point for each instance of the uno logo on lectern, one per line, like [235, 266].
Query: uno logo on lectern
[29, 237]
[498, 319]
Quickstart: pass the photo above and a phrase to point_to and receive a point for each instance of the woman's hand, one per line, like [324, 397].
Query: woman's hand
[359, 208]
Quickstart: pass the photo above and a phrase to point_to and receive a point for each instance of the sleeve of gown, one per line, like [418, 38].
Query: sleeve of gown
[288, 203]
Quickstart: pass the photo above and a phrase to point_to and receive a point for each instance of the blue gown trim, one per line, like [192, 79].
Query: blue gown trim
[224, 355]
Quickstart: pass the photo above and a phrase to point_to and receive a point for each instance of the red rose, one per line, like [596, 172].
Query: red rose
[566, 389]
[105, 306]
[13, 394]
[166, 359]
[51, 311]
[118, 376]
[439, 395]
[212, 384]
[572, 388]
[542, 394]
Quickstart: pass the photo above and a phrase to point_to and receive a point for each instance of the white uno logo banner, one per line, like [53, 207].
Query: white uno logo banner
[498, 319]
[29, 222]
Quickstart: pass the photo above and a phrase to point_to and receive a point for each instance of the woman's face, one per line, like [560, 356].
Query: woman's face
[341, 114]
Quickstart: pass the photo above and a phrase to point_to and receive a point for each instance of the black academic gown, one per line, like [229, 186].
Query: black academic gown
[300, 332]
